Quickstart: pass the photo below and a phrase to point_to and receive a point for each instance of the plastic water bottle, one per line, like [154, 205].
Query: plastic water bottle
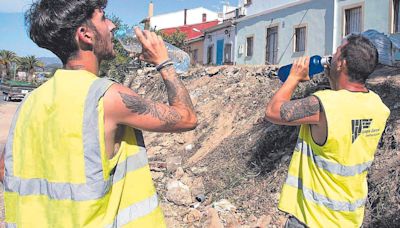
[128, 39]
[316, 66]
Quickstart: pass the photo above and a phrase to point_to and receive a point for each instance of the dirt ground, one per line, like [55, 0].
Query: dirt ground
[237, 160]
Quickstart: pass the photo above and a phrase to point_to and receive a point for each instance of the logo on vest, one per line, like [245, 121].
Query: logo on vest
[362, 126]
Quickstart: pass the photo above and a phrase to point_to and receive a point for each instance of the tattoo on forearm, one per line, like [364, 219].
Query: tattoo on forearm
[175, 88]
[298, 109]
[140, 106]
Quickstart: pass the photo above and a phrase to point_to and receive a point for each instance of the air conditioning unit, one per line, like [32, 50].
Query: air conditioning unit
[240, 12]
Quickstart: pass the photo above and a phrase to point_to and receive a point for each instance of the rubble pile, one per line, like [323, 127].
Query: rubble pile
[229, 171]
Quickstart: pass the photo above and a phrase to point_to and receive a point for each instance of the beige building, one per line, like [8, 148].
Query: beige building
[195, 49]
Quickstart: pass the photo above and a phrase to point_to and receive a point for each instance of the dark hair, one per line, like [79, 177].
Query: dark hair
[52, 23]
[361, 57]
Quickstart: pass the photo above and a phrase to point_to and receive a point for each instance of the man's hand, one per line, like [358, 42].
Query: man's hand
[281, 110]
[300, 69]
[154, 50]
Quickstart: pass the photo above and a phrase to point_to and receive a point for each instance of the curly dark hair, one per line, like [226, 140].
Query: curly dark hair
[361, 57]
[52, 23]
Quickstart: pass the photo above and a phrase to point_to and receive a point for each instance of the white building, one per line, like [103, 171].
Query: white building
[183, 17]
[279, 31]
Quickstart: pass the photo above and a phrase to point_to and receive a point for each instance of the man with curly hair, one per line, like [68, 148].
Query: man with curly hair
[75, 155]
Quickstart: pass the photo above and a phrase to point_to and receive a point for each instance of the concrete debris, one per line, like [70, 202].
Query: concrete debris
[224, 205]
[240, 157]
[173, 163]
[178, 193]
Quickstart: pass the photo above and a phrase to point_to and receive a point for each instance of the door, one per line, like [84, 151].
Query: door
[220, 52]
[272, 46]
[210, 54]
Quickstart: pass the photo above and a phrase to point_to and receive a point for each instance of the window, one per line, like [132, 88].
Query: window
[353, 21]
[396, 16]
[204, 17]
[249, 46]
[227, 53]
[300, 39]
[272, 45]
[209, 54]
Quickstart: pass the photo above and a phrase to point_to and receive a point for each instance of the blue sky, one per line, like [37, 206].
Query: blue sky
[13, 33]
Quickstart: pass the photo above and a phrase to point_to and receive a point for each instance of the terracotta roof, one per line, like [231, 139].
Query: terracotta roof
[191, 31]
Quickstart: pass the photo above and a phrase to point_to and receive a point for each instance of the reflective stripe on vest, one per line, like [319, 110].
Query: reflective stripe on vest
[135, 211]
[334, 168]
[323, 200]
[95, 186]
[11, 225]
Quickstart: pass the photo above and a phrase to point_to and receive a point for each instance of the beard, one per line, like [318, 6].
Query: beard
[103, 47]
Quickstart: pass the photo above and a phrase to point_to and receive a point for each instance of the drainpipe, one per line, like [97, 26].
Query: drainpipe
[336, 14]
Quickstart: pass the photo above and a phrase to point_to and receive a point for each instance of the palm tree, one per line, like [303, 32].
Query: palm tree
[6, 58]
[29, 63]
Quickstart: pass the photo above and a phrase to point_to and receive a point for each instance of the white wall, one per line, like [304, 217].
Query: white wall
[316, 15]
[175, 19]
[219, 35]
[258, 6]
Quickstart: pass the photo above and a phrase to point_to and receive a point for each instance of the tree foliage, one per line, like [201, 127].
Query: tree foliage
[6, 58]
[177, 38]
[29, 64]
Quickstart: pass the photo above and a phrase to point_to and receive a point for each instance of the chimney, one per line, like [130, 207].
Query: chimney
[151, 9]
[184, 16]
[149, 16]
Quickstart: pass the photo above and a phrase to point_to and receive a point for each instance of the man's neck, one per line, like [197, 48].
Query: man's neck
[345, 83]
[84, 61]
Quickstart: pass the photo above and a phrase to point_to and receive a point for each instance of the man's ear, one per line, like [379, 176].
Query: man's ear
[85, 35]
[343, 65]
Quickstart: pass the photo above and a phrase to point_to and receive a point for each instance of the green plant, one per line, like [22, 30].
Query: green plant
[177, 38]
[6, 58]
[29, 64]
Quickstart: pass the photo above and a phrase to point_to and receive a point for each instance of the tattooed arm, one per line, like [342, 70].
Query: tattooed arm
[281, 110]
[123, 106]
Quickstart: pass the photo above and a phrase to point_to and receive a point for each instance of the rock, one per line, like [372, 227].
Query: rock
[211, 71]
[189, 147]
[193, 216]
[264, 221]
[172, 222]
[213, 220]
[186, 179]
[197, 186]
[157, 175]
[178, 193]
[224, 205]
[173, 163]
[180, 140]
[179, 173]
[157, 166]
[252, 218]
[285, 158]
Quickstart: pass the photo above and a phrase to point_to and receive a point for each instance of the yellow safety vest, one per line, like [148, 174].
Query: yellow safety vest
[327, 185]
[57, 173]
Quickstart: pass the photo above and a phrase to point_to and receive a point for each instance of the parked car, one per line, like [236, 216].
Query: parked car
[15, 89]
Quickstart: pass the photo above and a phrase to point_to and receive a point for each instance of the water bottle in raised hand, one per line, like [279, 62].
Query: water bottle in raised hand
[316, 66]
[127, 37]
